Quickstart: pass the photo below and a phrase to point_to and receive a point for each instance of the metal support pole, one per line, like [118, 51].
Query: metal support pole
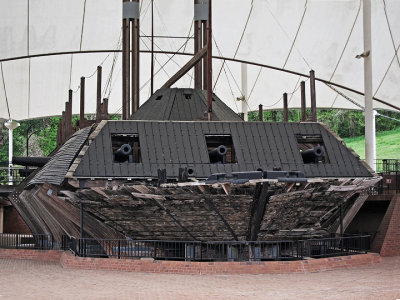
[341, 219]
[1, 218]
[303, 102]
[11, 125]
[244, 92]
[81, 221]
[98, 102]
[370, 138]
[198, 69]
[10, 155]
[205, 39]
[135, 63]
[82, 104]
[125, 68]
[313, 97]
[341, 227]
[152, 47]
[69, 114]
[209, 59]
[260, 113]
[285, 108]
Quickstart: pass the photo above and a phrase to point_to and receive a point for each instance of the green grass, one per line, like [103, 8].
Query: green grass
[387, 144]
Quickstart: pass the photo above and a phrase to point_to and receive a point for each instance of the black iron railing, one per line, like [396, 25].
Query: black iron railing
[220, 250]
[26, 241]
[387, 166]
[337, 246]
[247, 250]
[15, 175]
[194, 250]
[389, 184]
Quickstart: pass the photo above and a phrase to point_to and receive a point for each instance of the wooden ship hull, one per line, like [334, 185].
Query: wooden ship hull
[167, 195]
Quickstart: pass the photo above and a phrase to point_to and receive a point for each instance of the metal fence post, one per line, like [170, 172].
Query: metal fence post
[119, 249]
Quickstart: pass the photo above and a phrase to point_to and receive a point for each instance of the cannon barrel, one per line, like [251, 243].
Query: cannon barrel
[30, 161]
[310, 155]
[122, 154]
[218, 154]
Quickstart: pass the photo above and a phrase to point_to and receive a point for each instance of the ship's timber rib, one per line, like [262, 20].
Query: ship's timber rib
[215, 209]
[143, 190]
[261, 197]
[190, 64]
[353, 210]
[173, 218]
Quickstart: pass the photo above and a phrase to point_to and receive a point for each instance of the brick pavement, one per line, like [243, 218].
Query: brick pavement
[20, 279]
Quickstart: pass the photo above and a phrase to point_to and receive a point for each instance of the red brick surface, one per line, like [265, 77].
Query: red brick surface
[387, 239]
[28, 254]
[68, 260]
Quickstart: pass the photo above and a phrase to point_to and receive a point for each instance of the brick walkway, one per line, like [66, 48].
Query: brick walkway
[46, 280]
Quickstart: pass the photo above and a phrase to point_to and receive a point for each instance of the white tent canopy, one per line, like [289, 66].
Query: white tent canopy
[37, 39]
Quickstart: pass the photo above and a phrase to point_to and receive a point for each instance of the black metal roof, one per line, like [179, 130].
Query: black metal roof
[182, 105]
[55, 170]
[173, 145]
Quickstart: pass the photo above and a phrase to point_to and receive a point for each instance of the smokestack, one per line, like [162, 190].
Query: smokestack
[313, 97]
[285, 108]
[98, 103]
[82, 106]
[303, 102]
[127, 13]
[135, 56]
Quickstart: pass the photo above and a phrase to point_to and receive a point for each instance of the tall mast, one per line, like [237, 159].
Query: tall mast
[200, 17]
[130, 19]
[244, 92]
[126, 87]
[209, 59]
[152, 47]
[135, 57]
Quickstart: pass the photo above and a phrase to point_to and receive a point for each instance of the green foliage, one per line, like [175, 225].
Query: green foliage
[42, 133]
[387, 144]
[37, 137]
[346, 123]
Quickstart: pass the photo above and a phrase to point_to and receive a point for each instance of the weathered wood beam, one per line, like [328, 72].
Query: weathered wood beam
[212, 206]
[198, 71]
[303, 102]
[135, 61]
[82, 104]
[126, 84]
[313, 97]
[98, 98]
[285, 108]
[260, 200]
[190, 64]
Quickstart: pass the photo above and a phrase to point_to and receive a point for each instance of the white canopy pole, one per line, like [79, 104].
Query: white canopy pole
[370, 139]
[244, 92]
[11, 125]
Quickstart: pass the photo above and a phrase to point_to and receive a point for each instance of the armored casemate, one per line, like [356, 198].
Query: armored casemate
[175, 179]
